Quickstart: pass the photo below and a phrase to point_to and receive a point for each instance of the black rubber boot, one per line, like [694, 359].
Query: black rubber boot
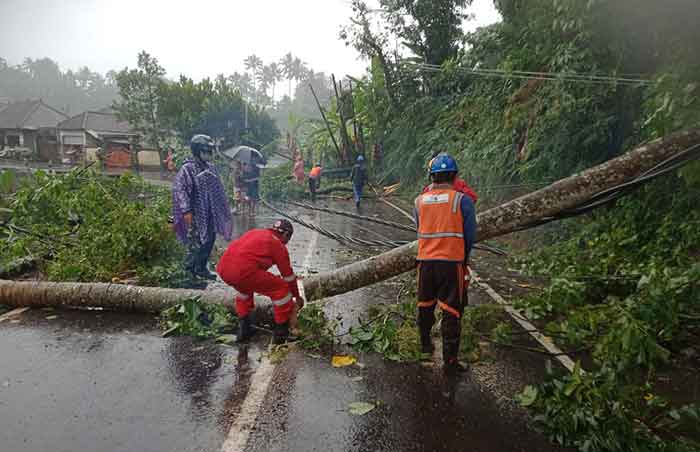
[281, 334]
[450, 353]
[245, 329]
[204, 273]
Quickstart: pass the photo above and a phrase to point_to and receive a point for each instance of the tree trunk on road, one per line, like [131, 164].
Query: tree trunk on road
[513, 215]
[102, 295]
[495, 222]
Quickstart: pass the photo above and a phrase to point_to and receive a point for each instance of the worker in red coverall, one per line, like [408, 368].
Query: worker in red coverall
[244, 266]
[459, 185]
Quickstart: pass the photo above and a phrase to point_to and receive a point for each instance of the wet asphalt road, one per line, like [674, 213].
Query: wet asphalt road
[99, 381]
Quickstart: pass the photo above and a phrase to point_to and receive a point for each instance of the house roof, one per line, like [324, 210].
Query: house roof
[29, 114]
[101, 122]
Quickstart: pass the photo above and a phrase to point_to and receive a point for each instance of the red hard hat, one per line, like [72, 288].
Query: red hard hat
[283, 227]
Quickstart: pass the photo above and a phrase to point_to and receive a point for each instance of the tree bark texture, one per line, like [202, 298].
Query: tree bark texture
[498, 221]
[509, 217]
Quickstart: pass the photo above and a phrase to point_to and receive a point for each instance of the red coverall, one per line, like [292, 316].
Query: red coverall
[461, 186]
[244, 267]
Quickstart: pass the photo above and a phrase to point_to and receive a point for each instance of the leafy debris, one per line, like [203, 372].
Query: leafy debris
[200, 320]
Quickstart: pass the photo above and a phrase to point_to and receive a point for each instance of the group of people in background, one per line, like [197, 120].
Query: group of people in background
[445, 218]
[201, 211]
[358, 177]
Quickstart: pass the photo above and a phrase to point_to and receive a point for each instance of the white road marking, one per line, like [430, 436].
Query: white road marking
[238, 435]
[544, 340]
[240, 430]
[13, 313]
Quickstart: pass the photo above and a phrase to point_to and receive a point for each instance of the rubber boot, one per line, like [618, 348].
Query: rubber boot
[450, 353]
[281, 334]
[204, 273]
[245, 329]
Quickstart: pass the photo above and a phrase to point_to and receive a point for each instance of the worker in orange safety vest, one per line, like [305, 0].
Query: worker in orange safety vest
[315, 180]
[446, 222]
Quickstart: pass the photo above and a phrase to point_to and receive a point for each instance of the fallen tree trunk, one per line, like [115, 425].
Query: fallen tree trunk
[513, 215]
[501, 220]
[102, 295]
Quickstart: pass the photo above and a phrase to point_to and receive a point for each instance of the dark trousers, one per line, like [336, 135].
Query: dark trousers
[357, 192]
[442, 284]
[314, 184]
[198, 252]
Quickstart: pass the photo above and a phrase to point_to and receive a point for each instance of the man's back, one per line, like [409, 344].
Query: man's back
[257, 246]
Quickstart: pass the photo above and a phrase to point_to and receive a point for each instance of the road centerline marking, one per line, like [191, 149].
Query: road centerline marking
[237, 437]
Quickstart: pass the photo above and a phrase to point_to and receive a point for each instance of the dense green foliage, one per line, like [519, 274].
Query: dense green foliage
[505, 128]
[155, 107]
[625, 287]
[623, 282]
[82, 227]
[278, 184]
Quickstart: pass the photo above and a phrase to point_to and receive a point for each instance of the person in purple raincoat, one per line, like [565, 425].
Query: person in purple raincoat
[200, 207]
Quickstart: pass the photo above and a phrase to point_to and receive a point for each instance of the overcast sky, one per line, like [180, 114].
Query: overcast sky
[196, 37]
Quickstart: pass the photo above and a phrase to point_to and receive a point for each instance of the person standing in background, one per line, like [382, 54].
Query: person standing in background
[315, 180]
[358, 176]
[298, 170]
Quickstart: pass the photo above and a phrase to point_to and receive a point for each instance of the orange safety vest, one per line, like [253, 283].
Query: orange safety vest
[440, 225]
[315, 172]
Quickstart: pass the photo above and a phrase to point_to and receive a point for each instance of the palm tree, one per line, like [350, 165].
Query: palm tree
[287, 63]
[254, 64]
[273, 72]
[299, 69]
[242, 83]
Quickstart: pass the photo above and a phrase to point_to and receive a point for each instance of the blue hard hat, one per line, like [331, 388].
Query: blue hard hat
[360, 158]
[443, 163]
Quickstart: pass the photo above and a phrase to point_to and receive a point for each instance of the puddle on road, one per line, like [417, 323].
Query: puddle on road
[108, 381]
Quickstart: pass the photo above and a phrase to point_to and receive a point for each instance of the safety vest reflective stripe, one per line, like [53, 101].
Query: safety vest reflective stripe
[290, 278]
[440, 225]
[242, 296]
[283, 301]
[445, 307]
[457, 202]
[441, 235]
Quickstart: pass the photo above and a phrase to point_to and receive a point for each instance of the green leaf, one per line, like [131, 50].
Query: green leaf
[360, 408]
[528, 396]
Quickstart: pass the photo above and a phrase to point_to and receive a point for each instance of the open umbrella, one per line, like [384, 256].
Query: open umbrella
[243, 154]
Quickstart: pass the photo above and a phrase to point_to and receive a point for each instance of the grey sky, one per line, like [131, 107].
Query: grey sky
[196, 37]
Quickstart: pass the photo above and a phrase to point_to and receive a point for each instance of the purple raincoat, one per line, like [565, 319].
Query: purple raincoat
[198, 189]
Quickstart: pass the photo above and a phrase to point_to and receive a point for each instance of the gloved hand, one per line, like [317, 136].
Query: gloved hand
[300, 302]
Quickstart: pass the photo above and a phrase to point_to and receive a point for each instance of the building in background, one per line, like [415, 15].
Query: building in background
[28, 130]
[94, 135]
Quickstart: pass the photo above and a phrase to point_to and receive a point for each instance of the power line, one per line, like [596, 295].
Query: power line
[578, 75]
[528, 75]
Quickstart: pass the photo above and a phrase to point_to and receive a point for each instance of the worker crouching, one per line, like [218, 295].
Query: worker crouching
[244, 266]
[446, 223]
